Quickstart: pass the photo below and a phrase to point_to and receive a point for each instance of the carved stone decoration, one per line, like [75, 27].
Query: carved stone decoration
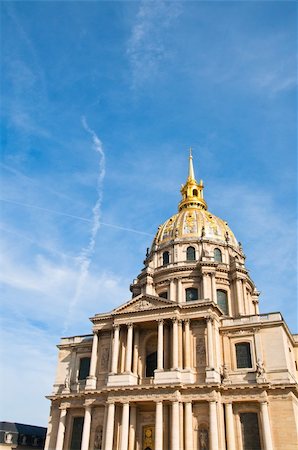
[98, 438]
[203, 439]
[142, 304]
[260, 372]
[201, 352]
[104, 360]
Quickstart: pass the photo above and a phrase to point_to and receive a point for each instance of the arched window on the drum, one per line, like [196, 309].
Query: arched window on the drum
[191, 254]
[222, 300]
[217, 255]
[165, 258]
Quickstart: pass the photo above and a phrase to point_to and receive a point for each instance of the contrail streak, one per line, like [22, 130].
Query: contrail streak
[85, 256]
[72, 216]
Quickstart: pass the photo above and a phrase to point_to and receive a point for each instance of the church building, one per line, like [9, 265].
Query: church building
[188, 363]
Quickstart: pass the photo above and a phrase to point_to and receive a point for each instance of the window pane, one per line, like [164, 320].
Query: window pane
[191, 294]
[84, 368]
[163, 294]
[222, 300]
[217, 255]
[250, 431]
[77, 430]
[243, 355]
[165, 258]
[190, 254]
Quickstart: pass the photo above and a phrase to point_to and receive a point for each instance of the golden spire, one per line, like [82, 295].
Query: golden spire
[191, 173]
[192, 191]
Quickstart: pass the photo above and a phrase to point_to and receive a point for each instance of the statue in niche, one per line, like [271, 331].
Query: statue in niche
[98, 439]
[203, 439]
[104, 358]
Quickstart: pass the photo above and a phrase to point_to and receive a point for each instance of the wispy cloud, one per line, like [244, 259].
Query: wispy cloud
[146, 47]
[85, 257]
[72, 216]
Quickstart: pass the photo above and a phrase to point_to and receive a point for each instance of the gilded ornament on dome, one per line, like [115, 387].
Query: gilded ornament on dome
[190, 223]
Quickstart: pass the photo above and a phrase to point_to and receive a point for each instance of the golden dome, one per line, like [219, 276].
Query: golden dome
[194, 221]
[193, 224]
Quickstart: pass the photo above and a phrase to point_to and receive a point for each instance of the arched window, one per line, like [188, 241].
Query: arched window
[191, 294]
[165, 258]
[243, 355]
[222, 300]
[195, 193]
[191, 254]
[217, 255]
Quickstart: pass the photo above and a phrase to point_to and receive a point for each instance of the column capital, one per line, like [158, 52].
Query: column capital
[64, 406]
[174, 319]
[209, 319]
[111, 402]
[159, 321]
[130, 325]
[116, 326]
[186, 321]
[89, 402]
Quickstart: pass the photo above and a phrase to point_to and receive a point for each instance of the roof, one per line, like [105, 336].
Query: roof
[22, 428]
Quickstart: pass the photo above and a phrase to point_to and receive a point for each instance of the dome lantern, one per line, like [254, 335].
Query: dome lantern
[192, 191]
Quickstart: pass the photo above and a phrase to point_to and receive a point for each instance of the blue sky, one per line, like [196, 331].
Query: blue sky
[100, 102]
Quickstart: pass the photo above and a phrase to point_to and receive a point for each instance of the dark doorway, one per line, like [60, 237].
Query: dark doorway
[151, 364]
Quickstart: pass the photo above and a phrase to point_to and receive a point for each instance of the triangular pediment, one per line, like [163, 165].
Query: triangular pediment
[143, 302]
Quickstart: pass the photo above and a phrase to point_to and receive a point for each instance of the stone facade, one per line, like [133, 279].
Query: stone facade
[188, 363]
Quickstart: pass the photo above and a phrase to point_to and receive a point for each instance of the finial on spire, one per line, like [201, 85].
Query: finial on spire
[191, 173]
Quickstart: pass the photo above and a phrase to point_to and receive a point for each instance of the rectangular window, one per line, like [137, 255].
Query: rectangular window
[250, 431]
[84, 368]
[77, 431]
[243, 355]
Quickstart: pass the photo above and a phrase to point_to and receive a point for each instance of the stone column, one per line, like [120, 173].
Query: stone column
[128, 355]
[213, 288]
[166, 346]
[159, 426]
[213, 427]
[115, 349]
[93, 361]
[266, 430]
[187, 344]
[244, 295]
[86, 429]
[136, 351]
[124, 426]
[172, 290]
[230, 433]
[175, 438]
[91, 379]
[175, 343]
[160, 345]
[180, 297]
[61, 428]
[109, 432]
[188, 426]
[205, 280]
[180, 345]
[239, 296]
[132, 427]
[210, 342]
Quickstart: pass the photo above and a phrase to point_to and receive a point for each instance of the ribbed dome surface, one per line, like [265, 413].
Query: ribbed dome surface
[194, 224]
